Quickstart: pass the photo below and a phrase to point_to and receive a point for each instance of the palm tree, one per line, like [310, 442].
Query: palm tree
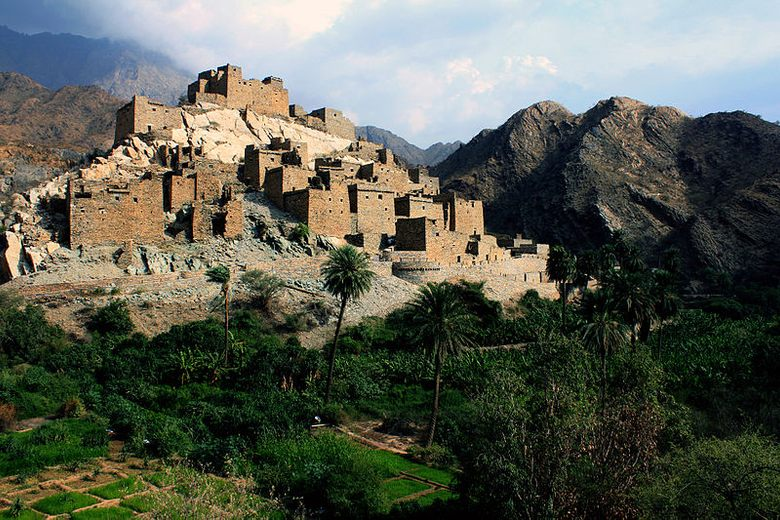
[587, 265]
[221, 274]
[562, 269]
[603, 332]
[667, 302]
[440, 322]
[632, 298]
[347, 276]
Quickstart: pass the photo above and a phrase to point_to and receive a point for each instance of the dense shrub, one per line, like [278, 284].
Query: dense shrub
[736, 478]
[327, 472]
[262, 286]
[114, 318]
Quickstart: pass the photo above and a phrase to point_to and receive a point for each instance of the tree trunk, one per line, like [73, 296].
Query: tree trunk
[603, 379]
[227, 326]
[644, 330]
[564, 293]
[436, 393]
[332, 360]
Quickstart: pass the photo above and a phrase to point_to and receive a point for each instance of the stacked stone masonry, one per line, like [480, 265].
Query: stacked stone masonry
[363, 194]
[226, 86]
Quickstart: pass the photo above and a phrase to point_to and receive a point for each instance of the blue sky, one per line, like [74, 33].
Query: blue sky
[440, 70]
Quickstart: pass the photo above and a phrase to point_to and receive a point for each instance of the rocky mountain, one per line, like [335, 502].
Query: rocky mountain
[709, 186]
[121, 68]
[79, 118]
[410, 153]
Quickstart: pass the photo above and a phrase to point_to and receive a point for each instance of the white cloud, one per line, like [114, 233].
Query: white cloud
[436, 69]
[539, 62]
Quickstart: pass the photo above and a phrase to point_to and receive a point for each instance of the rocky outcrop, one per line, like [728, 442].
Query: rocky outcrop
[709, 185]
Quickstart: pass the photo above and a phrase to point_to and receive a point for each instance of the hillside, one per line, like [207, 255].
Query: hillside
[410, 153]
[121, 68]
[709, 185]
[80, 118]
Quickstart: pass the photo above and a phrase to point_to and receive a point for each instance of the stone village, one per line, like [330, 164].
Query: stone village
[362, 194]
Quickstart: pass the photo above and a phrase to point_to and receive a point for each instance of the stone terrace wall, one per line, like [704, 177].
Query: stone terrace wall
[505, 280]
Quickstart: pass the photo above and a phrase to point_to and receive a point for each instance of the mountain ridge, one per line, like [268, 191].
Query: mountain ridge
[708, 185]
[75, 117]
[121, 68]
[410, 153]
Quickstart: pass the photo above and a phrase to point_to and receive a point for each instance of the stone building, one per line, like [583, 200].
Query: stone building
[364, 193]
[331, 121]
[205, 194]
[143, 115]
[115, 211]
[226, 86]
[462, 216]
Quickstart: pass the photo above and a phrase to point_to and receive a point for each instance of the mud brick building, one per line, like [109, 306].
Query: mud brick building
[143, 115]
[226, 86]
[362, 193]
[115, 211]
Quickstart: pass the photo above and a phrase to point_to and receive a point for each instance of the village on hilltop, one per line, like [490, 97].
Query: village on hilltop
[354, 190]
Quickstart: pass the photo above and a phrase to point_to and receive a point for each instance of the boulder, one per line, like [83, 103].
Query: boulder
[11, 259]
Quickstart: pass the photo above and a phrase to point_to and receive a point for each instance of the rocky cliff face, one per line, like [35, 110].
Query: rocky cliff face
[410, 153]
[78, 118]
[709, 186]
[123, 69]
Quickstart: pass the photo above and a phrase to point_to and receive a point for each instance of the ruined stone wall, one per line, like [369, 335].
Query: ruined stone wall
[201, 223]
[234, 218]
[180, 191]
[257, 162]
[424, 183]
[125, 121]
[143, 115]
[333, 122]
[211, 177]
[374, 207]
[284, 179]
[101, 212]
[297, 111]
[410, 206]
[486, 249]
[226, 86]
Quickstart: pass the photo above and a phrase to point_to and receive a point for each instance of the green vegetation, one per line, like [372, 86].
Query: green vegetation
[401, 487]
[620, 403]
[262, 286]
[103, 513]
[21, 514]
[139, 503]
[60, 442]
[118, 488]
[63, 503]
